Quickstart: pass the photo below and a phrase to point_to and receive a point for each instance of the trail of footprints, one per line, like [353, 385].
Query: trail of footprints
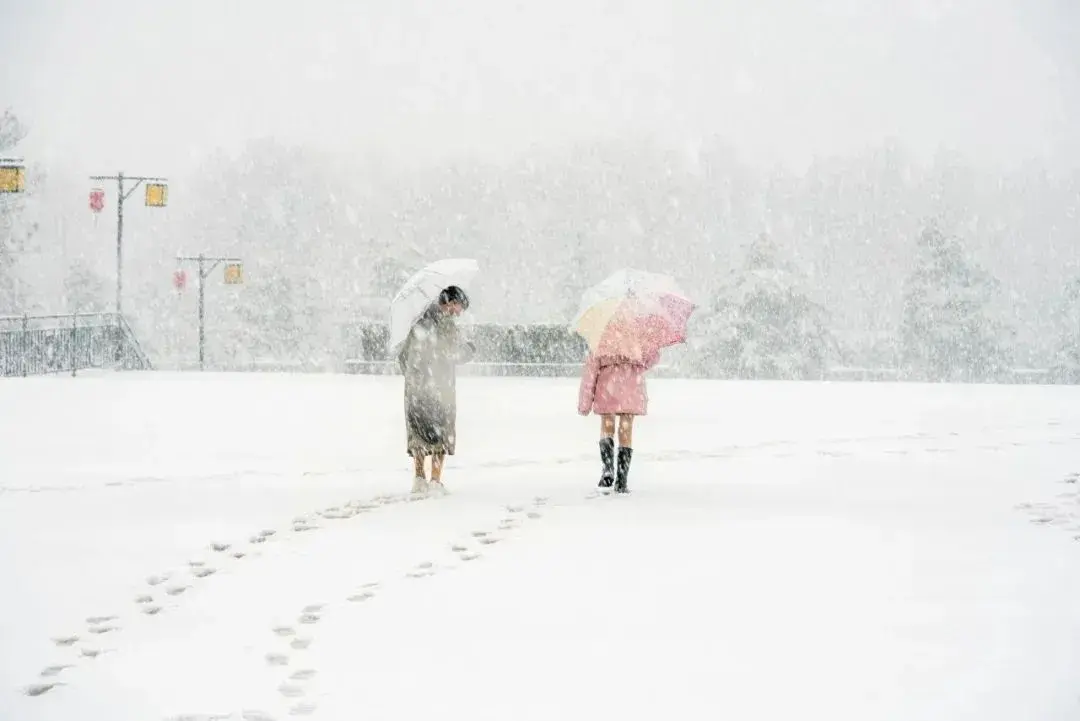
[167, 588]
[1062, 513]
[292, 642]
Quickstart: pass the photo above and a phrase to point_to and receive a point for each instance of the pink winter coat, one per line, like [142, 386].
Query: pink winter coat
[614, 386]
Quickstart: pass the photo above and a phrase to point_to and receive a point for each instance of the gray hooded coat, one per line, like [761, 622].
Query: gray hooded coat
[428, 360]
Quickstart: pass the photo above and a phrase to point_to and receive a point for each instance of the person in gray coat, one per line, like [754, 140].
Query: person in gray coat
[428, 360]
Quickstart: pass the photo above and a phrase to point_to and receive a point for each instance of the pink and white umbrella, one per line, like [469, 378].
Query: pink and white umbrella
[633, 314]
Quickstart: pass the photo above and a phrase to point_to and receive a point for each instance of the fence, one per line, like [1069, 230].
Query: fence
[474, 368]
[546, 350]
[42, 344]
[554, 351]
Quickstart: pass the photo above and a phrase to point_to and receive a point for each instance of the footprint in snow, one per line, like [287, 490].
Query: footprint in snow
[255, 715]
[469, 556]
[283, 631]
[238, 555]
[37, 689]
[304, 708]
[144, 598]
[488, 540]
[533, 515]
[103, 629]
[367, 591]
[176, 590]
[277, 659]
[90, 652]
[203, 571]
[458, 548]
[300, 643]
[50, 671]
[291, 690]
[303, 674]
[100, 619]
[422, 570]
[309, 618]
[220, 547]
[312, 608]
[151, 610]
[157, 580]
[479, 534]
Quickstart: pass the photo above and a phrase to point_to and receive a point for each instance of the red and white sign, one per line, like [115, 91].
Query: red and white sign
[179, 280]
[97, 199]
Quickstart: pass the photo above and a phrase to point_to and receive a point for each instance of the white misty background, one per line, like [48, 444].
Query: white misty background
[871, 183]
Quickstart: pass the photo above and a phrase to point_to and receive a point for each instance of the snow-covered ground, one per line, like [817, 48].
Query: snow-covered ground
[239, 547]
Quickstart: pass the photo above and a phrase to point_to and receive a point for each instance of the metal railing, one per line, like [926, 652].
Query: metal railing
[43, 344]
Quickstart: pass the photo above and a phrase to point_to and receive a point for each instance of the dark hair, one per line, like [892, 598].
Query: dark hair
[454, 294]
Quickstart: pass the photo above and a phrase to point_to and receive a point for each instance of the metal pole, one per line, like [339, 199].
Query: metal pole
[25, 342]
[119, 244]
[118, 350]
[74, 340]
[206, 266]
[202, 316]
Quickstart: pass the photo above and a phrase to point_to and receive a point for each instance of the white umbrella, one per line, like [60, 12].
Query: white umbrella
[624, 284]
[421, 290]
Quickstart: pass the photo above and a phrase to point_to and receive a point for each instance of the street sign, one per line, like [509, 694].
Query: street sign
[157, 195]
[234, 274]
[12, 176]
[97, 199]
[179, 280]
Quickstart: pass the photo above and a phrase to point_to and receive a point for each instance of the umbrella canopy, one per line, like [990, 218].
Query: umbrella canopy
[632, 314]
[421, 290]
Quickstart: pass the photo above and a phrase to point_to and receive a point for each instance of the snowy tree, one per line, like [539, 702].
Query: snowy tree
[763, 324]
[948, 331]
[1066, 365]
[277, 321]
[84, 289]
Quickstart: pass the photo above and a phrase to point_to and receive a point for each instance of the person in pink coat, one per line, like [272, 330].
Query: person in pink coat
[615, 388]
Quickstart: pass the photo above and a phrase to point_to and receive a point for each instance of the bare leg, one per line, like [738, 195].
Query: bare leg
[607, 426]
[626, 431]
[436, 467]
[626, 452]
[418, 467]
[607, 451]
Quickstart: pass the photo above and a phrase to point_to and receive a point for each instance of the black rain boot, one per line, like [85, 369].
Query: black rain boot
[607, 456]
[625, 454]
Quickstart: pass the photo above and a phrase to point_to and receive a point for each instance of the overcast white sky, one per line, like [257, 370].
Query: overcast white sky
[150, 86]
